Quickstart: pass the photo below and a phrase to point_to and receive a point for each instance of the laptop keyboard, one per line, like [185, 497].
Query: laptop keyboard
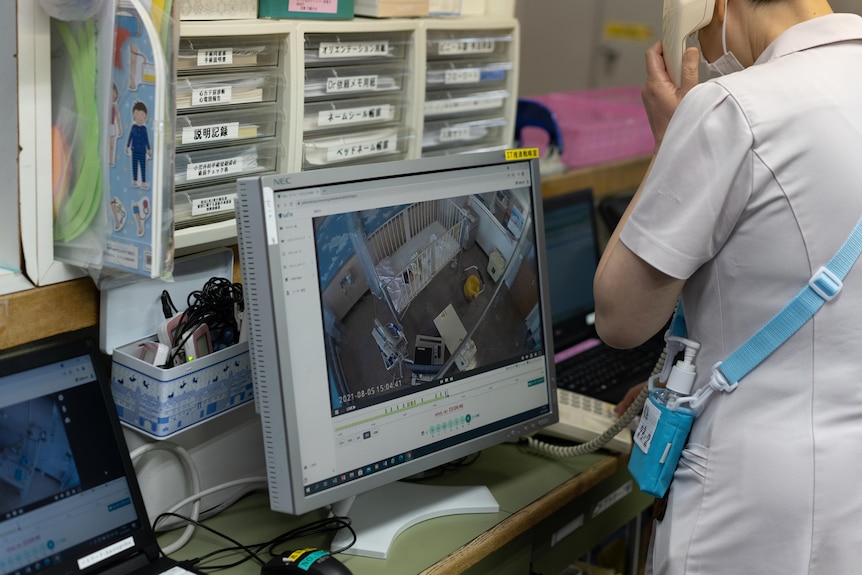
[605, 373]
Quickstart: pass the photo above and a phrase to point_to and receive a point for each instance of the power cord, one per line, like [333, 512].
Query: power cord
[192, 476]
[250, 551]
[565, 451]
[249, 484]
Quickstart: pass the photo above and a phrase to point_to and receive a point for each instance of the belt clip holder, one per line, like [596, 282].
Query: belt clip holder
[718, 382]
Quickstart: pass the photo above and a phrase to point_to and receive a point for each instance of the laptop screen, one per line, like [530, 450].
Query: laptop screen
[571, 243]
[66, 504]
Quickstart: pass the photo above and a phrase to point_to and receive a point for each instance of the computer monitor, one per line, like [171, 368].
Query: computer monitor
[398, 320]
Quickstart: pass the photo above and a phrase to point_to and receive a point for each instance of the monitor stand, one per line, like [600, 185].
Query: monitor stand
[380, 515]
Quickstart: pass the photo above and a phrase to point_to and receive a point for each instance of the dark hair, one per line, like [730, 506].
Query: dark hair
[140, 106]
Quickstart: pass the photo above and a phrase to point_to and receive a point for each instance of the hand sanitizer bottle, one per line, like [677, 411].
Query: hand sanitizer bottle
[664, 427]
[680, 381]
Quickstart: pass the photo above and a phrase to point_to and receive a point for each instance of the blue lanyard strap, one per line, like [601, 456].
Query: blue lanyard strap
[823, 286]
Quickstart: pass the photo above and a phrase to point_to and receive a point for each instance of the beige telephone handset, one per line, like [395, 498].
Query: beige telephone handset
[681, 18]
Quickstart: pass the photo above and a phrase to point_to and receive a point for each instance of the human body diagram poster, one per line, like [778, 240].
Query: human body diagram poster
[139, 152]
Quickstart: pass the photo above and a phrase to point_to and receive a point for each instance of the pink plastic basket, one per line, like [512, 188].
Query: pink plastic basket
[597, 126]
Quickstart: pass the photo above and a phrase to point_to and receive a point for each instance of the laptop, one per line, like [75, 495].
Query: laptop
[69, 498]
[584, 364]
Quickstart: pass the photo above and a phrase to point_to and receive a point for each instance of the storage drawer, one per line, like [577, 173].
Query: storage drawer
[198, 206]
[360, 112]
[445, 44]
[226, 163]
[355, 48]
[449, 74]
[368, 146]
[352, 81]
[198, 55]
[444, 103]
[213, 90]
[454, 134]
[222, 127]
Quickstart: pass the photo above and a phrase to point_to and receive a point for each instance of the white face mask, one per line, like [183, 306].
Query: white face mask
[727, 62]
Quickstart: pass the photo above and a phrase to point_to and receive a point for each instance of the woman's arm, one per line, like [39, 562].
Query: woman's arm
[634, 299]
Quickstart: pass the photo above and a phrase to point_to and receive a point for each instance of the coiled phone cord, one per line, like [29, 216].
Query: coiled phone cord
[565, 451]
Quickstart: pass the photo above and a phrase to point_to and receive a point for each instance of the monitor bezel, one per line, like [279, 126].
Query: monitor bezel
[268, 332]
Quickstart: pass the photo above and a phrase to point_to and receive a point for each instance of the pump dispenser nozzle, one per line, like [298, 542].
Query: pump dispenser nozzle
[682, 374]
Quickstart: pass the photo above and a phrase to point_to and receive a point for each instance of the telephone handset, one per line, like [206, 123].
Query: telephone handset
[680, 18]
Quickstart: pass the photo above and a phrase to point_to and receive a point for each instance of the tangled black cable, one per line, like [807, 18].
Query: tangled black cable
[254, 551]
[217, 305]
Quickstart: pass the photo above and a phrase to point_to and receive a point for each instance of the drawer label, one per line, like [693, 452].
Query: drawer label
[210, 96]
[370, 148]
[618, 494]
[215, 57]
[213, 205]
[338, 85]
[211, 133]
[437, 107]
[465, 76]
[456, 133]
[466, 46]
[353, 49]
[358, 115]
[213, 168]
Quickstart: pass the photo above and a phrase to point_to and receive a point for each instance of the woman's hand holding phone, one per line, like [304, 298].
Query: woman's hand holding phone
[660, 95]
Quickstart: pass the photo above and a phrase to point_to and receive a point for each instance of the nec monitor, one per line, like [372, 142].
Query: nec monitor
[398, 318]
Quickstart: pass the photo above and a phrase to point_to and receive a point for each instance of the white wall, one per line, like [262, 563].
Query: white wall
[854, 6]
[571, 45]
[557, 43]
[577, 44]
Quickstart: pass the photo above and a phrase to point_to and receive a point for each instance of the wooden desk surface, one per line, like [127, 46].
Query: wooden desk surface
[529, 488]
[527, 518]
[44, 311]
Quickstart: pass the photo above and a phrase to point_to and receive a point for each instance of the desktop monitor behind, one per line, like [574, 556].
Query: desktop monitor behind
[370, 362]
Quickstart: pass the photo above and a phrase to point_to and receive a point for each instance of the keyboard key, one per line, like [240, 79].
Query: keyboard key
[606, 373]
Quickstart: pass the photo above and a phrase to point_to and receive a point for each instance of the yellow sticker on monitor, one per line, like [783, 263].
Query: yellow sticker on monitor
[522, 154]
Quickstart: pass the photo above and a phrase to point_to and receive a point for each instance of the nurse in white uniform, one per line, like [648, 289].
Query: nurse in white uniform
[755, 184]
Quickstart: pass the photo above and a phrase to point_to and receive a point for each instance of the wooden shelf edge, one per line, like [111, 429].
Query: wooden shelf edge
[41, 312]
[44, 311]
[525, 519]
[604, 180]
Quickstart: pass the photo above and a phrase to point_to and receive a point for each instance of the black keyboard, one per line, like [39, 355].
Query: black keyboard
[605, 373]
